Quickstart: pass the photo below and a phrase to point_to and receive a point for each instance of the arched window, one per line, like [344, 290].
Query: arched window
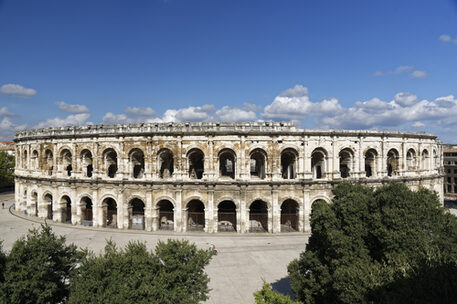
[86, 163]
[35, 160]
[371, 162]
[392, 162]
[227, 163]
[110, 206]
[65, 157]
[166, 164]
[289, 164]
[196, 163]
[136, 158]
[48, 202]
[411, 160]
[48, 162]
[110, 162]
[318, 160]
[66, 209]
[346, 162]
[425, 160]
[258, 160]
[24, 160]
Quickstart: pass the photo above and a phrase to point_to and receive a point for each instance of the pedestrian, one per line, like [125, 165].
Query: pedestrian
[3, 205]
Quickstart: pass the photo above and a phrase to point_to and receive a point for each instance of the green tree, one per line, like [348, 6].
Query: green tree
[268, 296]
[386, 245]
[173, 274]
[38, 268]
[6, 169]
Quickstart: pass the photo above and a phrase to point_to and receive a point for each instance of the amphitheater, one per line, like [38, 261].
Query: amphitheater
[211, 177]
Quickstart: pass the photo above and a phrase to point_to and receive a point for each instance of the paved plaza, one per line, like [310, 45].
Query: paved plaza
[236, 272]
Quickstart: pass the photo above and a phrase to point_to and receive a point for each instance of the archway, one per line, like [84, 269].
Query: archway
[346, 162]
[195, 215]
[110, 206]
[289, 216]
[65, 159]
[411, 160]
[110, 162]
[392, 162]
[226, 216]
[136, 159]
[370, 162]
[196, 163]
[318, 158]
[258, 160]
[65, 203]
[166, 167]
[288, 163]
[166, 215]
[137, 214]
[227, 163]
[86, 163]
[425, 159]
[48, 162]
[86, 212]
[48, 201]
[258, 217]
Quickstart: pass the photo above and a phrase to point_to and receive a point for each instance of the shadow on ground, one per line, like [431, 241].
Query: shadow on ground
[283, 286]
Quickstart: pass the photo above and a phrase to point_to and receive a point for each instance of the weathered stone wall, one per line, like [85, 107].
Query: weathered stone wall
[279, 167]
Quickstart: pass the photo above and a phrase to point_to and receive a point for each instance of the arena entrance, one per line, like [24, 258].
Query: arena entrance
[258, 217]
[289, 216]
[110, 209]
[166, 215]
[137, 206]
[48, 201]
[226, 217]
[86, 212]
[65, 202]
[195, 215]
[35, 203]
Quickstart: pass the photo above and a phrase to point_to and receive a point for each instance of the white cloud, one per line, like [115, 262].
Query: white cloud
[4, 112]
[16, 90]
[399, 70]
[418, 74]
[72, 108]
[71, 120]
[294, 104]
[234, 114]
[8, 128]
[138, 111]
[447, 38]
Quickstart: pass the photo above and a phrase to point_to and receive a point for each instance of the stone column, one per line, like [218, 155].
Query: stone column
[209, 214]
[149, 213]
[238, 220]
[276, 210]
[300, 217]
[244, 212]
[306, 211]
[243, 173]
[180, 214]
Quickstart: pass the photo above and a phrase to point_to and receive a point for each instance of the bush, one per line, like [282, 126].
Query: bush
[268, 296]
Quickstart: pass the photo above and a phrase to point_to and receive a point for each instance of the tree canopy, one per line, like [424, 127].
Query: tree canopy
[389, 245]
[6, 169]
[173, 274]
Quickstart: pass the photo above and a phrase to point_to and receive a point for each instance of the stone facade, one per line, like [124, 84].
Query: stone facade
[450, 169]
[214, 177]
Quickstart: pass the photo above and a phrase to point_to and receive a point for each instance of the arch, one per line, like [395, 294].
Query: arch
[136, 162]
[318, 162]
[226, 216]
[227, 163]
[195, 215]
[48, 161]
[65, 204]
[24, 159]
[48, 201]
[392, 162]
[258, 216]
[289, 215]
[346, 156]
[110, 162]
[425, 159]
[289, 157]
[87, 162]
[411, 160]
[137, 219]
[258, 163]
[86, 210]
[35, 159]
[109, 212]
[196, 160]
[320, 198]
[166, 163]
[66, 161]
[166, 214]
[371, 162]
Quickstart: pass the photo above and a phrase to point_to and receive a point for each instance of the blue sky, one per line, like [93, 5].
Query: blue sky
[322, 64]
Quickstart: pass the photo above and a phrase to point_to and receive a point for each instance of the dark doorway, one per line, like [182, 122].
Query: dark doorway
[258, 217]
[166, 215]
[226, 216]
[195, 215]
[289, 216]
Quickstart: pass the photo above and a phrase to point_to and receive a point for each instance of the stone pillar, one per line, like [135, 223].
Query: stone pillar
[300, 217]
[209, 214]
[244, 211]
[306, 211]
[243, 174]
[180, 214]
[270, 219]
[276, 210]
[336, 171]
[238, 220]
[149, 213]
[97, 210]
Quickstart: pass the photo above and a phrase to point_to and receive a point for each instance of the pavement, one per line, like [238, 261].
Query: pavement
[235, 273]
